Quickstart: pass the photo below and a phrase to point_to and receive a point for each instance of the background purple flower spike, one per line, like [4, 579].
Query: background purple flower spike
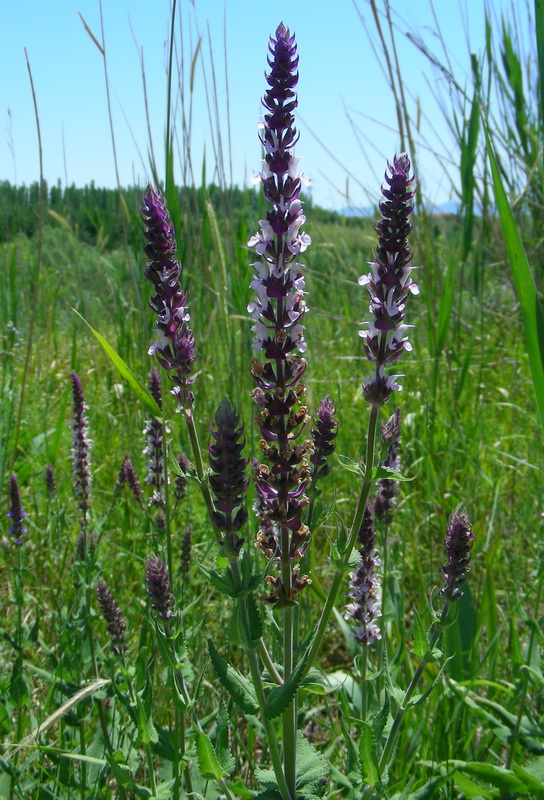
[389, 284]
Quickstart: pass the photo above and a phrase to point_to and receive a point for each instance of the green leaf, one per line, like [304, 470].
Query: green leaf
[533, 318]
[209, 766]
[238, 687]
[255, 621]
[279, 698]
[534, 786]
[140, 391]
[350, 465]
[368, 756]
[388, 473]
[223, 583]
[312, 767]
[504, 779]
[380, 719]
[222, 747]
[18, 688]
[421, 645]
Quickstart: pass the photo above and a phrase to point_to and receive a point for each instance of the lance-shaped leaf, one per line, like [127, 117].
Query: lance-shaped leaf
[238, 687]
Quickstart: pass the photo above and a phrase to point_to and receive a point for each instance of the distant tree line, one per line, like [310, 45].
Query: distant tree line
[105, 217]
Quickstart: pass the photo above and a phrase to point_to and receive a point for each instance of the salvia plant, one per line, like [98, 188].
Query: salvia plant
[272, 547]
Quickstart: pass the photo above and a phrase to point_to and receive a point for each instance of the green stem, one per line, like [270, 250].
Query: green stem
[199, 463]
[289, 721]
[364, 692]
[255, 671]
[169, 561]
[434, 635]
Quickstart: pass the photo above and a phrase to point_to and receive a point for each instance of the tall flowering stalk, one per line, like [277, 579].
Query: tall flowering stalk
[175, 346]
[154, 451]
[228, 480]
[458, 543]
[278, 309]
[389, 284]
[365, 585]
[114, 618]
[16, 513]
[386, 496]
[81, 459]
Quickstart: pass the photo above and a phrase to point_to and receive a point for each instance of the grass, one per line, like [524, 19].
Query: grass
[471, 433]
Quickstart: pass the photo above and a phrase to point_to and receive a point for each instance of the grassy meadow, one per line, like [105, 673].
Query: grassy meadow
[79, 721]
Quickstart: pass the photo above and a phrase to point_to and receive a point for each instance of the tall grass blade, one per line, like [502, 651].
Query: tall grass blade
[533, 319]
[125, 371]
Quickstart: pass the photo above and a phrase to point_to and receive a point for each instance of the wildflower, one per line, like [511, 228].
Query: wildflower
[278, 309]
[154, 446]
[175, 346]
[113, 616]
[50, 482]
[16, 513]
[180, 487]
[228, 481]
[158, 588]
[389, 283]
[458, 544]
[128, 475]
[81, 448]
[323, 436]
[186, 552]
[365, 585]
[385, 500]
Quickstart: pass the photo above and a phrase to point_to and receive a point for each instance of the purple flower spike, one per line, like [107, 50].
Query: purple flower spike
[128, 475]
[158, 588]
[365, 586]
[113, 616]
[323, 436]
[458, 543]
[385, 500]
[16, 513]
[50, 480]
[228, 480]
[389, 283]
[154, 446]
[279, 308]
[81, 449]
[175, 347]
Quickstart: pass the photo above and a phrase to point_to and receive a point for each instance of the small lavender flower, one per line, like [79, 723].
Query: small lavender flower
[113, 616]
[81, 448]
[389, 283]
[180, 486]
[175, 347]
[158, 588]
[279, 308]
[228, 481]
[128, 475]
[50, 482]
[385, 500]
[154, 446]
[16, 513]
[323, 436]
[365, 585]
[458, 544]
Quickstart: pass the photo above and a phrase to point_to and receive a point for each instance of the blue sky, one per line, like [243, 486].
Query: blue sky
[341, 85]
